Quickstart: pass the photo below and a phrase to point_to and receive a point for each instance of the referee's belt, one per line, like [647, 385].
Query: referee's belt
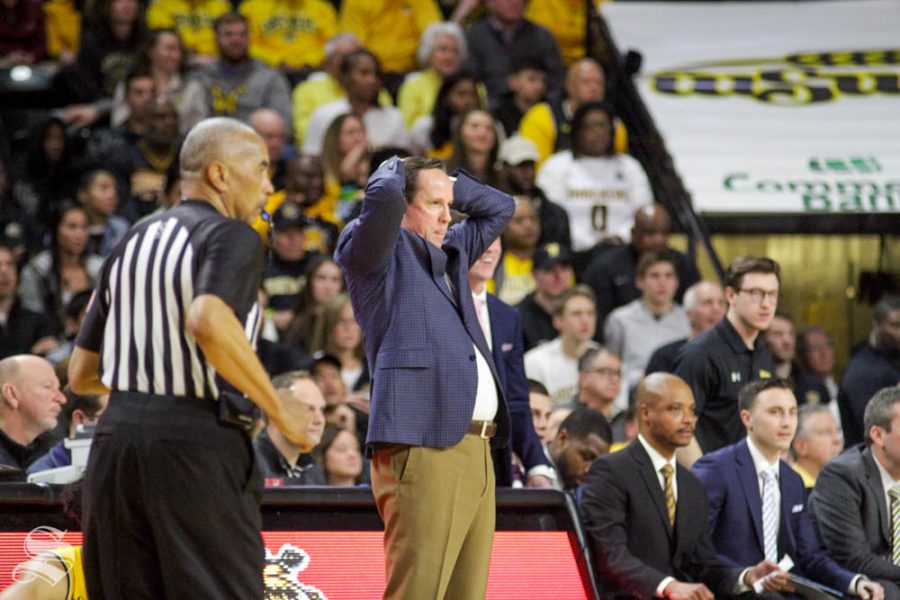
[483, 429]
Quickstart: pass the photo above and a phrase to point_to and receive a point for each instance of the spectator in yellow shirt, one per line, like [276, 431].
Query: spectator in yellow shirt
[290, 34]
[193, 20]
[391, 30]
[441, 52]
[324, 86]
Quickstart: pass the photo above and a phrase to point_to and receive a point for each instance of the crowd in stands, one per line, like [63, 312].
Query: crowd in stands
[498, 88]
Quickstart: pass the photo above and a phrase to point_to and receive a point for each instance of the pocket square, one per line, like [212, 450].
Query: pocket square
[797, 508]
[506, 347]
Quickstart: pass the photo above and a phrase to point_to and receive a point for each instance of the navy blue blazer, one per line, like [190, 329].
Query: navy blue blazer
[508, 349]
[420, 336]
[735, 516]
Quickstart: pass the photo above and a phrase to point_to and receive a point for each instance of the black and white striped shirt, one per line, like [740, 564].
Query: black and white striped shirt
[136, 321]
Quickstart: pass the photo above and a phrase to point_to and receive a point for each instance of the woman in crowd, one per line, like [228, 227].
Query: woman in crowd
[432, 134]
[338, 334]
[442, 49]
[47, 173]
[599, 188]
[163, 55]
[475, 145]
[97, 193]
[52, 277]
[339, 456]
[324, 281]
[113, 33]
[345, 163]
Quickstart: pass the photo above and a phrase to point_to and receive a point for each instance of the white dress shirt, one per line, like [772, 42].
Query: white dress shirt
[486, 400]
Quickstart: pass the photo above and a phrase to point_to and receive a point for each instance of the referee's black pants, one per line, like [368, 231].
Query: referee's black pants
[171, 504]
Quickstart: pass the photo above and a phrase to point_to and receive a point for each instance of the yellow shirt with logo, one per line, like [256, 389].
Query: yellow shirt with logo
[289, 32]
[192, 19]
[391, 29]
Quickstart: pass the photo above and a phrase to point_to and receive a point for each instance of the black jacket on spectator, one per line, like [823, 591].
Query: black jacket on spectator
[280, 358]
[716, 365]
[663, 359]
[869, 371]
[491, 56]
[537, 325]
[274, 466]
[554, 220]
[16, 456]
[22, 329]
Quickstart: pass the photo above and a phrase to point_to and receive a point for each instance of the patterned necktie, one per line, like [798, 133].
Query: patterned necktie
[894, 493]
[669, 492]
[770, 515]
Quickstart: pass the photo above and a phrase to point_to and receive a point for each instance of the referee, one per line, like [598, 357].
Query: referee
[171, 501]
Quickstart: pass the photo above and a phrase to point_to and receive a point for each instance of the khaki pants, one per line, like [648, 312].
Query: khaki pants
[438, 509]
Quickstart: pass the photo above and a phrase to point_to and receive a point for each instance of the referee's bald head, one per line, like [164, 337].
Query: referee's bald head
[226, 163]
[212, 139]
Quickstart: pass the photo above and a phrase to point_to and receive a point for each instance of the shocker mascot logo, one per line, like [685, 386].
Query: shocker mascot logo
[280, 575]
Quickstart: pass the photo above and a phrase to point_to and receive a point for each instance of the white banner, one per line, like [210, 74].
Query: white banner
[773, 107]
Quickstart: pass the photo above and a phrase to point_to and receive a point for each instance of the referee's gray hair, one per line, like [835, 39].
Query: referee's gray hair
[205, 142]
[430, 36]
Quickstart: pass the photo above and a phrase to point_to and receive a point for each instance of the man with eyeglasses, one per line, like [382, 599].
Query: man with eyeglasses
[599, 384]
[718, 363]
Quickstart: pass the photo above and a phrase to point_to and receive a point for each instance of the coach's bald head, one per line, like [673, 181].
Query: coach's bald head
[665, 406]
[225, 162]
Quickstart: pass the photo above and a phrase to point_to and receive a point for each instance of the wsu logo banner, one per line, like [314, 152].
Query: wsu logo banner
[774, 107]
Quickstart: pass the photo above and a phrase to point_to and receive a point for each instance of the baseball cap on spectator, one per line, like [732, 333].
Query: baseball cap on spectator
[517, 149]
[549, 255]
[289, 215]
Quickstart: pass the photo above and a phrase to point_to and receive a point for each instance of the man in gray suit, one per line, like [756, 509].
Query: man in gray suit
[853, 497]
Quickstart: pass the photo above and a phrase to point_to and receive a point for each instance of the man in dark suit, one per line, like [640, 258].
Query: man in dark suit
[647, 516]
[758, 503]
[851, 503]
[502, 327]
[436, 397]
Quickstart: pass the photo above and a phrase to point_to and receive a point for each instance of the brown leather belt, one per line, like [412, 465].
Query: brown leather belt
[483, 429]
